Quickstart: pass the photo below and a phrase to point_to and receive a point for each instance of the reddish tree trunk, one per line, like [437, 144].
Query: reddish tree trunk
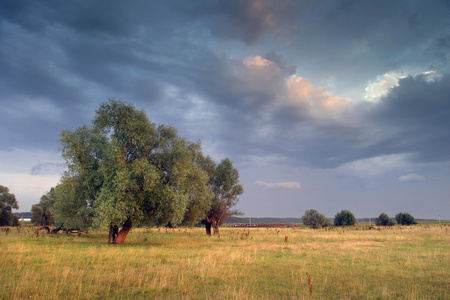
[123, 232]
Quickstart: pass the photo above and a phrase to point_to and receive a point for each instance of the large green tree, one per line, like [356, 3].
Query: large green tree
[7, 203]
[315, 219]
[225, 187]
[127, 171]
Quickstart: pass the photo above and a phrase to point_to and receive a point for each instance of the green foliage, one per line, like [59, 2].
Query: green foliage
[126, 170]
[313, 218]
[38, 215]
[225, 187]
[71, 208]
[7, 203]
[405, 219]
[345, 218]
[384, 220]
[42, 213]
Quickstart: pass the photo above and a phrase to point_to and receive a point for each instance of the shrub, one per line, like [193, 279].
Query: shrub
[313, 218]
[384, 220]
[405, 219]
[345, 218]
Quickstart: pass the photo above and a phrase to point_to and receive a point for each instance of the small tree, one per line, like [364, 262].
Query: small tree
[405, 219]
[313, 218]
[42, 212]
[7, 203]
[225, 188]
[384, 220]
[344, 218]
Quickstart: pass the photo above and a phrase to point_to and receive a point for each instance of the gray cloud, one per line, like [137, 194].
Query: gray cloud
[411, 177]
[414, 117]
[48, 168]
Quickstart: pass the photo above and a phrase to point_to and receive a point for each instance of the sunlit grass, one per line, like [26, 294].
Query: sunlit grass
[398, 263]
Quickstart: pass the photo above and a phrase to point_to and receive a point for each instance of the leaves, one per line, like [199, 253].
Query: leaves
[7, 203]
[344, 218]
[8, 199]
[225, 188]
[125, 169]
[313, 218]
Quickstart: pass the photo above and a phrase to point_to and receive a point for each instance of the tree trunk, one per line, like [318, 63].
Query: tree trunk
[123, 232]
[216, 228]
[208, 227]
[113, 232]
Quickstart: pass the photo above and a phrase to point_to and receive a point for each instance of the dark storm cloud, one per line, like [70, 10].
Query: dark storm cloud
[415, 117]
[74, 55]
[272, 84]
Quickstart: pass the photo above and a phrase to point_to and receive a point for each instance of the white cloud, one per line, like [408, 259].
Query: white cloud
[411, 177]
[384, 83]
[375, 166]
[380, 87]
[289, 185]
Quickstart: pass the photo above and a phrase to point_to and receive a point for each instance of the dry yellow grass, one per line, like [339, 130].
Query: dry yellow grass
[397, 263]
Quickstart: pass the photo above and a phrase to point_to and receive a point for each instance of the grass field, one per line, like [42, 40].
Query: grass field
[397, 263]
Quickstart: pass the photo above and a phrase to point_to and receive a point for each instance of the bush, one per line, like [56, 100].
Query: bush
[405, 219]
[384, 220]
[313, 218]
[344, 218]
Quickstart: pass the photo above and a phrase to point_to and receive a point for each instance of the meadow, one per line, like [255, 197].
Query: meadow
[275, 263]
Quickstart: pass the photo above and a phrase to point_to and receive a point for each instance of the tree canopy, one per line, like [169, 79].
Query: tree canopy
[313, 218]
[344, 218]
[7, 203]
[225, 188]
[384, 220]
[405, 219]
[42, 213]
[125, 171]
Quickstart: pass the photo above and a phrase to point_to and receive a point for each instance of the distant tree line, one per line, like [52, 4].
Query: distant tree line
[314, 219]
[400, 219]
[125, 171]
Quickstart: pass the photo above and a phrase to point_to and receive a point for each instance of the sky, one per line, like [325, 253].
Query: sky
[325, 105]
